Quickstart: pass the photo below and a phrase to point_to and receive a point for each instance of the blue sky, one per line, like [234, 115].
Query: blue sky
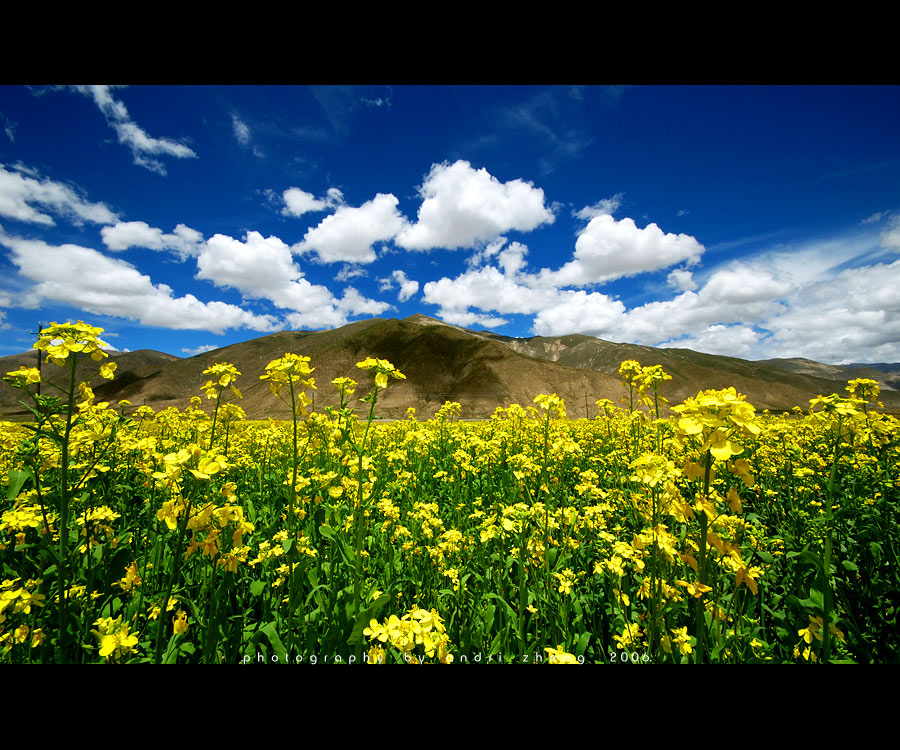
[746, 221]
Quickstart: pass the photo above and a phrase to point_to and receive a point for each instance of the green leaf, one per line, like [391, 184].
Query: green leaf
[171, 655]
[489, 617]
[815, 602]
[327, 532]
[17, 478]
[814, 559]
[848, 565]
[765, 556]
[362, 621]
[582, 644]
[257, 587]
[269, 631]
[509, 610]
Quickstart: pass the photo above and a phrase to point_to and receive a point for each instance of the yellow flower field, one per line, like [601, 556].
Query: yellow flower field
[715, 535]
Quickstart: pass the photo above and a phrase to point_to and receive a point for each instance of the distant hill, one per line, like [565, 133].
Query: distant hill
[888, 375]
[777, 385]
[143, 363]
[442, 362]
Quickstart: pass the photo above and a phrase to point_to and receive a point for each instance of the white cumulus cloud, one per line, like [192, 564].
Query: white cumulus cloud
[681, 279]
[463, 207]
[183, 240]
[408, 287]
[730, 341]
[263, 268]
[609, 249]
[349, 233]
[595, 314]
[202, 349]
[87, 279]
[298, 202]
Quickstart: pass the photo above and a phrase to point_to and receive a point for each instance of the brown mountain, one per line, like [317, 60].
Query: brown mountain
[888, 375]
[130, 366]
[442, 362]
[776, 385]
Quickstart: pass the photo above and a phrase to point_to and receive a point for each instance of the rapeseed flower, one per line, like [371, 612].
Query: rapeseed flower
[115, 640]
[558, 656]
[58, 341]
[180, 622]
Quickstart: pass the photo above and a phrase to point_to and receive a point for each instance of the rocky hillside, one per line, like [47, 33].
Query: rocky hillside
[442, 362]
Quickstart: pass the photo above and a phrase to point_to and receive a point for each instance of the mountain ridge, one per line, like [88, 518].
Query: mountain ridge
[444, 362]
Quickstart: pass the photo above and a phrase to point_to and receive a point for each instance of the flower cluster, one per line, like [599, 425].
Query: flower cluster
[58, 341]
[223, 375]
[382, 369]
[418, 627]
[714, 417]
[115, 640]
[290, 370]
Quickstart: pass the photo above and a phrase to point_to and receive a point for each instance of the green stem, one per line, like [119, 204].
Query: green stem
[63, 637]
[176, 569]
[212, 432]
[699, 616]
[829, 540]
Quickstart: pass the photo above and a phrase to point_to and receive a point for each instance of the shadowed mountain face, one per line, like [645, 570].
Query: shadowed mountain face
[131, 366]
[443, 363]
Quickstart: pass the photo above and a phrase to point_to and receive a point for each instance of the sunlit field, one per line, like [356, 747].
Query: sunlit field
[713, 535]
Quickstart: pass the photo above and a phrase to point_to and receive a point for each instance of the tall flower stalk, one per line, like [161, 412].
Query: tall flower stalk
[708, 424]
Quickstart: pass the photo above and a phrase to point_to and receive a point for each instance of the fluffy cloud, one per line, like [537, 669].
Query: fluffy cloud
[579, 312]
[337, 312]
[743, 285]
[512, 259]
[815, 301]
[263, 268]
[609, 249]
[408, 287]
[468, 318]
[350, 232]
[737, 295]
[463, 207]
[183, 240]
[348, 272]
[682, 280]
[20, 193]
[298, 202]
[90, 281]
[852, 316]
[487, 289]
[730, 341]
[143, 147]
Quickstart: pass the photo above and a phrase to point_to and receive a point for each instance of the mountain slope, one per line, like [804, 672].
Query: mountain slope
[442, 362]
[130, 366]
